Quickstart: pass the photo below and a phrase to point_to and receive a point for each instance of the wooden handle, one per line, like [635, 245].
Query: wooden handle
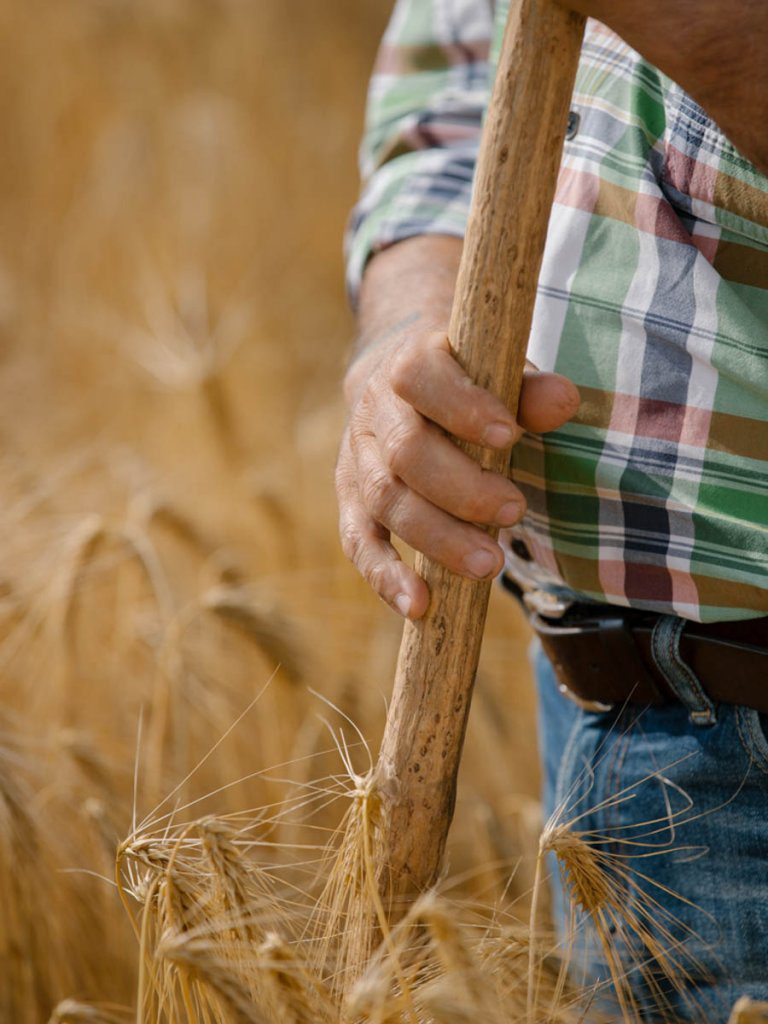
[490, 322]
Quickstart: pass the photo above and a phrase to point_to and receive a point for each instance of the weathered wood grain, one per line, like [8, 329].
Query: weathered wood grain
[491, 319]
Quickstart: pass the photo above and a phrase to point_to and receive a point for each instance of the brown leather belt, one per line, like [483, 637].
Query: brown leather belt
[602, 656]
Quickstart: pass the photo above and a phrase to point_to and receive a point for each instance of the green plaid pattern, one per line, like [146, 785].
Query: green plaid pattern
[653, 299]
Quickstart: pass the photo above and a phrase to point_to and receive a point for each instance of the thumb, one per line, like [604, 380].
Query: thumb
[547, 400]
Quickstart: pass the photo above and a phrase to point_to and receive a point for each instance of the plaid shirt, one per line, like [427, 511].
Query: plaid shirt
[653, 299]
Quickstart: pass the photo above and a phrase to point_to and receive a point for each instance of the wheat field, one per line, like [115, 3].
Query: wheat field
[174, 182]
[193, 681]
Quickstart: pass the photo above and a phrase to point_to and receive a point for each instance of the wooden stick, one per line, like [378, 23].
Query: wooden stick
[491, 319]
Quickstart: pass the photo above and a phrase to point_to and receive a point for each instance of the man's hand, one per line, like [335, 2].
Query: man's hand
[398, 471]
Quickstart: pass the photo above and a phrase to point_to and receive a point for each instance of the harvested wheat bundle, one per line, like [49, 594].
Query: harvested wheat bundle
[300, 927]
[210, 925]
[228, 944]
[234, 924]
[212, 990]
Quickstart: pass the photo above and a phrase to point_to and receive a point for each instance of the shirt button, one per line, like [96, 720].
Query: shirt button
[574, 120]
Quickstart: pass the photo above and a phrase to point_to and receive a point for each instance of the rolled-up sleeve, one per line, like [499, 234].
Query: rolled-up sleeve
[426, 102]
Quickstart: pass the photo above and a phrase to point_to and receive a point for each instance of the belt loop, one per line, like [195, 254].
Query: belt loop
[665, 647]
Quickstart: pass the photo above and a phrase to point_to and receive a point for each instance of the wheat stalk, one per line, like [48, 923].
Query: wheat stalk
[636, 933]
[70, 1011]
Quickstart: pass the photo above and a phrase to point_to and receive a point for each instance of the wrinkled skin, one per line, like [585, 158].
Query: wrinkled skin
[399, 473]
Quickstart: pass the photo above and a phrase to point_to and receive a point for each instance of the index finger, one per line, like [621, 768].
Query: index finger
[429, 378]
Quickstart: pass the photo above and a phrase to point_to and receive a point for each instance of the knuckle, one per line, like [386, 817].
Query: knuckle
[400, 445]
[351, 541]
[359, 434]
[362, 555]
[363, 409]
[355, 436]
[404, 371]
[371, 398]
[379, 492]
[342, 471]
[376, 576]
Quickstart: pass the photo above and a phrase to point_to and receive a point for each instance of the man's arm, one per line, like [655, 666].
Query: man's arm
[406, 289]
[398, 472]
[717, 50]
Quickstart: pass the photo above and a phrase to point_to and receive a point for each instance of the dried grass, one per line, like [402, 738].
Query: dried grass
[643, 944]
[69, 1011]
[226, 914]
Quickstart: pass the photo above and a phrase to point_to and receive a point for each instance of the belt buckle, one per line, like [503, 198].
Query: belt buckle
[593, 706]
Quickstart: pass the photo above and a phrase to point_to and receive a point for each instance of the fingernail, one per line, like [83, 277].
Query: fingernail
[498, 435]
[403, 604]
[508, 514]
[481, 563]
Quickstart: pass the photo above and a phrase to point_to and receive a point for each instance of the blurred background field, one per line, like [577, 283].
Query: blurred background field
[174, 180]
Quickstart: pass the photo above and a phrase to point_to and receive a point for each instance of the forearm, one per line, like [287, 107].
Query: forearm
[714, 49]
[406, 287]
[398, 473]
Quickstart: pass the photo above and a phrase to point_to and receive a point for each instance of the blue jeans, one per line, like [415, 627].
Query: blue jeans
[677, 798]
